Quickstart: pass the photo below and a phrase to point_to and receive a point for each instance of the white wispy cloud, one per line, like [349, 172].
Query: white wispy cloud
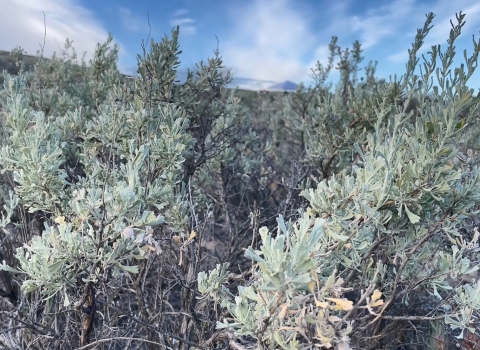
[376, 28]
[382, 22]
[185, 23]
[181, 21]
[23, 20]
[267, 41]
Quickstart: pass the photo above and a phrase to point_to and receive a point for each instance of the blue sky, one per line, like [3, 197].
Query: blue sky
[264, 40]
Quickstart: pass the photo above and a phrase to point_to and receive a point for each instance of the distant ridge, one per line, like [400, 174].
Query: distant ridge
[285, 86]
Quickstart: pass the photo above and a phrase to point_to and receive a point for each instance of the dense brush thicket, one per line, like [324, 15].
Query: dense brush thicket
[143, 213]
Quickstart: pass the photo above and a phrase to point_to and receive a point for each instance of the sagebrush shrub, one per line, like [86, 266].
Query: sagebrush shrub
[143, 184]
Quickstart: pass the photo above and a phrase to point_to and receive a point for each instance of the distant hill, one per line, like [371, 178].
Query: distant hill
[285, 86]
[7, 62]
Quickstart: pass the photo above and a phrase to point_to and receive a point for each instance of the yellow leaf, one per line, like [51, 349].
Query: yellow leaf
[322, 338]
[176, 239]
[375, 300]
[376, 303]
[342, 304]
[283, 311]
[192, 235]
[311, 286]
[334, 319]
[376, 295]
[322, 304]
[60, 220]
